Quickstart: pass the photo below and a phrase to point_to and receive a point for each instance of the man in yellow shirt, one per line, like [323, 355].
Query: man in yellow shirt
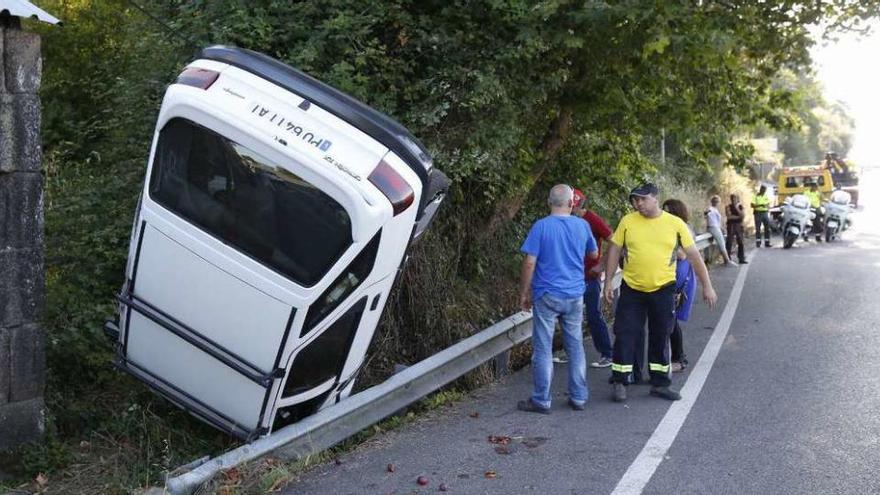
[650, 239]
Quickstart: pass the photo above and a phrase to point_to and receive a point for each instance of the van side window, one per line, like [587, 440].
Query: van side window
[344, 285]
[324, 357]
[245, 200]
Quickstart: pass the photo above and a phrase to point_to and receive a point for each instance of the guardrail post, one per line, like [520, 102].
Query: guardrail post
[501, 363]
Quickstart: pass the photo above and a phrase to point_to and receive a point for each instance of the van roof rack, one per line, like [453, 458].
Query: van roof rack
[377, 125]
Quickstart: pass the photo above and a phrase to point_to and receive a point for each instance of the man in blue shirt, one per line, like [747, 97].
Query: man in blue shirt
[552, 285]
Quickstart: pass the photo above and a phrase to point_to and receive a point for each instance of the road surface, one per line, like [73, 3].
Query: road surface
[782, 396]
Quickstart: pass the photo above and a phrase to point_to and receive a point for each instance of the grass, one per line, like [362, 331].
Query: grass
[132, 446]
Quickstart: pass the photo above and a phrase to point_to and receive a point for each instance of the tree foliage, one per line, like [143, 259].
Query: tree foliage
[819, 125]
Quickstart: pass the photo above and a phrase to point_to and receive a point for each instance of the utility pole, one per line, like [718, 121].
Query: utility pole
[22, 279]
[663, 146]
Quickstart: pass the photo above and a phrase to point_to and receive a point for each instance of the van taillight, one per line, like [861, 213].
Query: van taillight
[393, 187]
[199, 78]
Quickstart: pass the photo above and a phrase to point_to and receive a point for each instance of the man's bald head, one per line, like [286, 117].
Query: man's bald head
[560, 196]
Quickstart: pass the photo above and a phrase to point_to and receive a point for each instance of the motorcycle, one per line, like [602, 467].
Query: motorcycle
[836, 213]
[796, 219]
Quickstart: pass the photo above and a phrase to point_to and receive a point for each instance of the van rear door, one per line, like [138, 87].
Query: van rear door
[230, 248]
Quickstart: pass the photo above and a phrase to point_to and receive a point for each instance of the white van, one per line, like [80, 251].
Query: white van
[275, 216]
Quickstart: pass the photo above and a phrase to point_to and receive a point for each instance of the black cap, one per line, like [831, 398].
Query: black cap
[646, 189]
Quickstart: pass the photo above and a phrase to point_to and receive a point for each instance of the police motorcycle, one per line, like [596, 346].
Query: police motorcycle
[836, 214]
[796, 219]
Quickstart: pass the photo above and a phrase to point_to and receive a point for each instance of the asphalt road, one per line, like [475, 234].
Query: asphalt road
[790, 405]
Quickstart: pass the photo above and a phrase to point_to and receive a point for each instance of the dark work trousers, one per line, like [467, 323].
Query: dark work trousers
[676, 342]
[762, 218]
[818, 222]
[735, 232]
[633, 308]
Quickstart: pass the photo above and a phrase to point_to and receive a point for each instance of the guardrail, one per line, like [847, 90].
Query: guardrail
[334, 424]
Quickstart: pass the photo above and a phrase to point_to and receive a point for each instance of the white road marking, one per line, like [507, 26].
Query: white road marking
[646, 463]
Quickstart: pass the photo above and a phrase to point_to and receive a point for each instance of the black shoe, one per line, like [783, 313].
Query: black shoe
[743, 262]
[665, 393]
[767, 244]
[529, 406]
[758, 245]
[618, 392]
[574, 405]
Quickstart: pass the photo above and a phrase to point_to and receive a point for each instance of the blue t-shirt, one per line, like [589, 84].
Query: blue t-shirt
[559, 243]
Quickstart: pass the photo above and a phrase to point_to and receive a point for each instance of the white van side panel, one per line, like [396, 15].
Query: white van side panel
[231, 313]
[175, 361]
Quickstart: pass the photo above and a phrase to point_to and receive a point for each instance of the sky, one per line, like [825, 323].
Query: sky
[849, 72]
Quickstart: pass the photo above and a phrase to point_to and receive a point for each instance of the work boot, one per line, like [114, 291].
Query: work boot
[665, 393]
[758, 244]
[618, 393]
[767, 243]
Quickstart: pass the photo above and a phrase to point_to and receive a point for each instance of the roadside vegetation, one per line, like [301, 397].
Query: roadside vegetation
[511, 97]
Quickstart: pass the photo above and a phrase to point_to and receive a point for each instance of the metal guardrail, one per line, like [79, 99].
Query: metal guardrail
[334, 424]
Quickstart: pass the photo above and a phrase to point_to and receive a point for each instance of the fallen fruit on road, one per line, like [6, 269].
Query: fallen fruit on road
[499, 439]
[491, 474]
[390, 468]
[423, 480]
[443, 487]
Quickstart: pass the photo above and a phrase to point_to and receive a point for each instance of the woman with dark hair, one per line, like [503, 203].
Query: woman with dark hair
[685, 289]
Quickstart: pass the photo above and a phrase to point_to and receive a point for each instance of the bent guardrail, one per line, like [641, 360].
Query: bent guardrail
[334, 424]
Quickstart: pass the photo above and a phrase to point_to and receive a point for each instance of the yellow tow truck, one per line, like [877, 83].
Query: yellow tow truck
[796, 180]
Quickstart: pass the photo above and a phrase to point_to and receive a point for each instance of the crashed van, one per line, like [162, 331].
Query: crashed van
[276, 214]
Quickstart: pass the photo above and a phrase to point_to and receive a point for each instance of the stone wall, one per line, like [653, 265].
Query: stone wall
[22, 281]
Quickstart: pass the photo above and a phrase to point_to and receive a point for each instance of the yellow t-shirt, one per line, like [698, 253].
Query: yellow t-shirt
[815, 198]
[651, 245]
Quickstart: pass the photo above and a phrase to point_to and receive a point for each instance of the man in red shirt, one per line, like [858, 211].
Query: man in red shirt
[593, 269]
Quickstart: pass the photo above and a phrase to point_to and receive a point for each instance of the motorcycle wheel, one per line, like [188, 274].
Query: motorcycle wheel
[788, 240]
[829, 235]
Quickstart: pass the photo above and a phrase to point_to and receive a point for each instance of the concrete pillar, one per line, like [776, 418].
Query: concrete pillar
[22, 280]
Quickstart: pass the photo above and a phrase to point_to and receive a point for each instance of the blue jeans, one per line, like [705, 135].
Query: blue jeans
[570, 312]
[595, 320]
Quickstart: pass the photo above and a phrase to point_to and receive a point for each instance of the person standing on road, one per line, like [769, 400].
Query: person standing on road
[593, 277]
[761, 210]
[816, 206]
[552, 286]
[713, 226]
[651, 238]
[685, 290]
[735, 215]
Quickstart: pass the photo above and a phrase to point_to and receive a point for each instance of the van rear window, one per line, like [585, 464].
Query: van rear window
[245, 200]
